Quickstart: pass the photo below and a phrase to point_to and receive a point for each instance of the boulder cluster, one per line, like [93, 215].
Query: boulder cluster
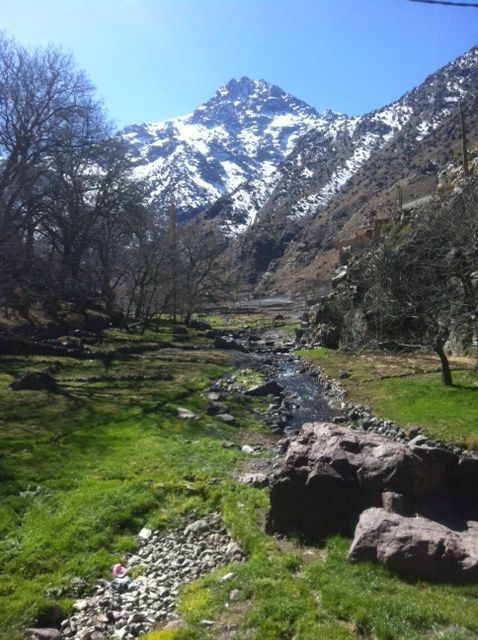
[410, 505]
[143, 595]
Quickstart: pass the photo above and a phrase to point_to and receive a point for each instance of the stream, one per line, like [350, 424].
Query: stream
[309, 403]
[303, 399]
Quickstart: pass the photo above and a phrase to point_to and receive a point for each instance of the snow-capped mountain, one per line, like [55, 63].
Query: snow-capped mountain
[323, 162]
[232, 144]
[339, 180]
[287, 182]
[241, 135]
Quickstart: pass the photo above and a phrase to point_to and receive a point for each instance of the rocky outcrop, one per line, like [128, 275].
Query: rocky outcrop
[417, 546]
[331, 474]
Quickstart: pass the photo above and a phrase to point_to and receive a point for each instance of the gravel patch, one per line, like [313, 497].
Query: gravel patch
[144, 595]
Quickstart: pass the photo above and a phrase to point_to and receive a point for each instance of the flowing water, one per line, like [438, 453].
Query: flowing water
[309, 402]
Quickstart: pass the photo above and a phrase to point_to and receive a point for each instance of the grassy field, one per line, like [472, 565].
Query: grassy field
[83, 470]
[233, 321]
[408, 390]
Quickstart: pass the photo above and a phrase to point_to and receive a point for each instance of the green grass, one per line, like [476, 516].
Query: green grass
[408, 390]
[82, 471]
[289, 591]
[236, 321]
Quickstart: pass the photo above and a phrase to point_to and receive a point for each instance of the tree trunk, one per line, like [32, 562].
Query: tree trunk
[445, 365]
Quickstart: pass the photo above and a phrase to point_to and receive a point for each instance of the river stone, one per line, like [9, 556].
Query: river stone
[213, 408]
[168, 561]
[34, 382]
[44, 634]
[269, 388]
[332, 473]
[226, 418]
[246, 448]
[417, 546]
[185, 414]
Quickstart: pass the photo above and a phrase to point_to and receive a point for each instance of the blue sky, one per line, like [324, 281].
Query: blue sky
[156, 59]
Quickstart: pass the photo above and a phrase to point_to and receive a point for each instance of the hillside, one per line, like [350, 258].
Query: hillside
[286, 184]
[408, 143]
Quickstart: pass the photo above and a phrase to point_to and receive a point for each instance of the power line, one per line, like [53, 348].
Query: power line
[449, 4]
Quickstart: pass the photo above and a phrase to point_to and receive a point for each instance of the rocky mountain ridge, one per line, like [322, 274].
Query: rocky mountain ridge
[232, 144]
[286, 184]
[330, 188]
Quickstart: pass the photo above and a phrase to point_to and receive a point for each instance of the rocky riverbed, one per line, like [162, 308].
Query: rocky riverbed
[143, 593]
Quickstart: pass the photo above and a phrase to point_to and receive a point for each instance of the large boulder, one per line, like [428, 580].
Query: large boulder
[417, 546]
[34, 382]
[332, 473]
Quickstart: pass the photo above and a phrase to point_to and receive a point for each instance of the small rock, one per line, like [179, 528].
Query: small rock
[227, 577]
[186, 414]
[175, 625]
[226, 418]
[135, 617]
[197, 527]
[235, 595]
[44, 634]
[145, 534]
[229, 445]
[246, 448]
[215, 408]
[206, 623]
[417, 441]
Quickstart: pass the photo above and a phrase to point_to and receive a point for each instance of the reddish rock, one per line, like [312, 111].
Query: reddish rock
[332, 473]
[417, 546]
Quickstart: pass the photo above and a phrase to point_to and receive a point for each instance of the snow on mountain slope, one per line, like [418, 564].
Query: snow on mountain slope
[338, 181]
[324, 161]
[232, 144]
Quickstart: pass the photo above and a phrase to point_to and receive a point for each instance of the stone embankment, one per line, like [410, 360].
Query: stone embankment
[360, 417]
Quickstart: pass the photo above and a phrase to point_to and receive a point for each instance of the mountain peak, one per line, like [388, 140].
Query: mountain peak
[241, 102]
[244, 84]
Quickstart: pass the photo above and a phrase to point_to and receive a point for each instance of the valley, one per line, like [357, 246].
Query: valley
[238, 374]
[107, 456]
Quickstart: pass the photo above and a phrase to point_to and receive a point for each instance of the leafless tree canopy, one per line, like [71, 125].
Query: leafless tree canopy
[423, 277]
[74, 226]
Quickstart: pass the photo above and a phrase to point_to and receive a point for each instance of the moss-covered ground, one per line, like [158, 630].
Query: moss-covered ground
[408, 390]
[83, 470]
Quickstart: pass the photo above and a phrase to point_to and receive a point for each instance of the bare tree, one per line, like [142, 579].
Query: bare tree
[419, 282]
[202, 278]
